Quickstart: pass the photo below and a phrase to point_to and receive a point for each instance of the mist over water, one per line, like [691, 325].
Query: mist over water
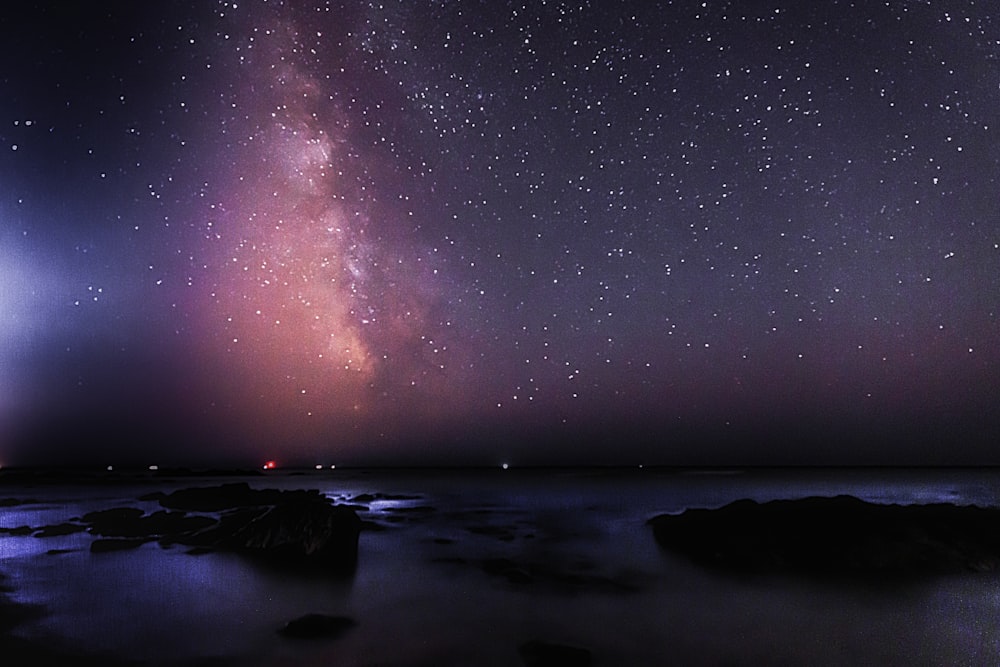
[463, 567]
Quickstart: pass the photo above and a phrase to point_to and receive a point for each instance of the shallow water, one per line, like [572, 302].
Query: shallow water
[586, 572]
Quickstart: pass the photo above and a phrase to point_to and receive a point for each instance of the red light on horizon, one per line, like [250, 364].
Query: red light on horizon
[270, 465]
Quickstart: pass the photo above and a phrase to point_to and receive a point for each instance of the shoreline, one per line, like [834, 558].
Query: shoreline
[555, 549]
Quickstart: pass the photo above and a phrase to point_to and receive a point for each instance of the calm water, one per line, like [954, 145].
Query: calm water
[581, 568]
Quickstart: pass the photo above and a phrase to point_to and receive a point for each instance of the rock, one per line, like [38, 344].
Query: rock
[130, 522]
[113, 515]
[368, 498]
[317, 626]
[17, 502]
[115, 544]
[293, 529]
[199, 551]
[59, 529]
[502, 533]
[285, 528]
[298, 533]
[839, 536]
[537, 653]
[233, 496]
[508, 569]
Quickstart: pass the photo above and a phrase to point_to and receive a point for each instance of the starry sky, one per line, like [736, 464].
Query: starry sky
[459, 231]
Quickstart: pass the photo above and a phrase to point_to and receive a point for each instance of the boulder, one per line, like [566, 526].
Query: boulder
[233, 496]
[835, 536]
[116, 544]
[308, 534]
[60, 529]
[317, 626]
[130, 522]
[286, 528]
[537, 653]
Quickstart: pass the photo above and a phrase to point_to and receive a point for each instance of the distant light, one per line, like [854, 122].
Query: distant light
[319, 467]
[110, 468]
[154, 467]
[270, 465]
[504, 466]
[333, 467]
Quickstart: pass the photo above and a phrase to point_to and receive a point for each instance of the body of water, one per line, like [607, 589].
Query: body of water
[463, 567]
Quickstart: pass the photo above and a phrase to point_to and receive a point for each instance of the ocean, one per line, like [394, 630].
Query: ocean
[462, 567]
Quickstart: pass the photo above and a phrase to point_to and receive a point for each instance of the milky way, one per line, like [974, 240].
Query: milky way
[320, 305]
[465, 232]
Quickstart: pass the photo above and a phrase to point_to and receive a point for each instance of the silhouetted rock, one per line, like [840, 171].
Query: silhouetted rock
[116, 544]
[130, 522]
[17, 502]
[835, 537]
[287, 528]
[232, 496]
[306, 533]
[367, 498]
[59, 529]
[537, 653]
[317, 626]
[112, 515]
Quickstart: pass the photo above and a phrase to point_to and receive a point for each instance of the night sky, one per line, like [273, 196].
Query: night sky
[474, 232]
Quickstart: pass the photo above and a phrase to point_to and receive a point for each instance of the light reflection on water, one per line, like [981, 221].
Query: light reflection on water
[421, 594]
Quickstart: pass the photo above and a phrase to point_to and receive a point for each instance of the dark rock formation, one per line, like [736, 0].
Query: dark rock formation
[132, 522]
[298, 533]
[116, 544]
[368, 498]
[232, 496]
[537, 653]
[317, 626]
[17, 502]
[59, 529]
[285, 528]
[840, 536]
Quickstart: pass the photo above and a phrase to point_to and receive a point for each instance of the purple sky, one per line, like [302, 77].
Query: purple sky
[462, 232]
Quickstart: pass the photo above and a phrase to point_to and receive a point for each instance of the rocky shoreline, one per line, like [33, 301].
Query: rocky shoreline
[290, 529]
[304, 531]
[840, 536]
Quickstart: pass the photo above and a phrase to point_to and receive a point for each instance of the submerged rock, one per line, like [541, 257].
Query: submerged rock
[59, 530]
[294, 529]
[835, 536]
[116, 544]
[317, 626]
[537, 653]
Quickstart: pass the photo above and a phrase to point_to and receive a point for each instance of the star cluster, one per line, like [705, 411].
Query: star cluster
[457, 231]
